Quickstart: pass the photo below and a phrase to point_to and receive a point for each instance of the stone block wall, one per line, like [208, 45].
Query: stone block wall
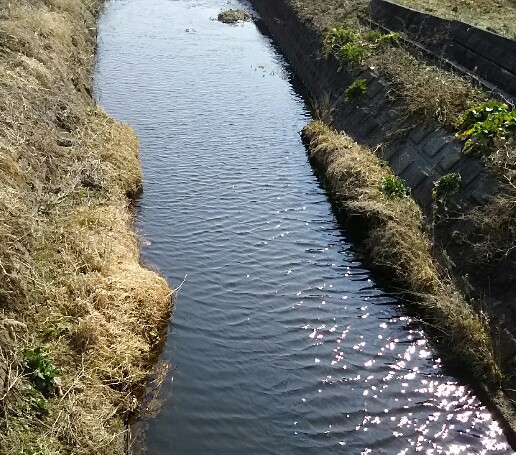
[419, 153]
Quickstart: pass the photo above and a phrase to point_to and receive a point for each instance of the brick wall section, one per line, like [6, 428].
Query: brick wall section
[490, 56]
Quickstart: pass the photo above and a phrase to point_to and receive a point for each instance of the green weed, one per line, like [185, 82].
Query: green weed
[482, 125]
[446, 186]
[389, 39]
[372, 36]
[37, 403]
[381, 40]
[356, 90]
[335, 39]
[393, 186]
[352, 53]
[42, 373]
[351, 47]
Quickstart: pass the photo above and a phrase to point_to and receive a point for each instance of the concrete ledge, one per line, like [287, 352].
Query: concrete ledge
[490, 56]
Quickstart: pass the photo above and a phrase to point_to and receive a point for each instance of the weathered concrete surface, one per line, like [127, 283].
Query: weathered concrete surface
[419, 155]
[490, 56]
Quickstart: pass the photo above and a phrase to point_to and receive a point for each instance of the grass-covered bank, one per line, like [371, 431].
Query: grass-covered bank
[498, 16]
[80, 315]
[429, 91]
[344, 62]
[442, 98]
[387, 89]
[395, 238]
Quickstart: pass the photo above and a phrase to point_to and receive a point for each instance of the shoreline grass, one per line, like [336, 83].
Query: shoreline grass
[78, 310]
[426, 92]
[396, 242]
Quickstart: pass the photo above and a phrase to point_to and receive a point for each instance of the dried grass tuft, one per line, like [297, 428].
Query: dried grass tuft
[428, 91]
[396, 241]
[69, 261]
[495, 222]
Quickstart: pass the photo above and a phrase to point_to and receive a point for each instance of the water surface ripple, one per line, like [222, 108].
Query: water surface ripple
[280, 342]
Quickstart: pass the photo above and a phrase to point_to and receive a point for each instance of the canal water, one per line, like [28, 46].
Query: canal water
[281, 342]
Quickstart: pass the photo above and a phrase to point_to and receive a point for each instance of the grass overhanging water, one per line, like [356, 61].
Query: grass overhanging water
[397, 243]
[80, 315]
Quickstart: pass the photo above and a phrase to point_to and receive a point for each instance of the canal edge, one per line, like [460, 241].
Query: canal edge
[82, 318]
[301, 42]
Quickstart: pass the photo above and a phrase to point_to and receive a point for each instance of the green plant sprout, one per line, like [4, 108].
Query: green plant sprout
[446, 186]
[356, 90]
[482, 125]
[41, 372]
[353, 47]
[393, 186]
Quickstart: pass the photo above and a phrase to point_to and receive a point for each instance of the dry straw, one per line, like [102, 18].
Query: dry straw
[396, 242]
[70, 277]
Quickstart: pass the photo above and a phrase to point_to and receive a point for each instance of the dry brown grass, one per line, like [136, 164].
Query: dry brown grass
[70, 277]
[494, 237]
[329, 13]
[397, 243]
[429, 92]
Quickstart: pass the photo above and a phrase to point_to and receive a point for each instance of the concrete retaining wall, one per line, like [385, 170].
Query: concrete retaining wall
[490, 56]
[419, 155]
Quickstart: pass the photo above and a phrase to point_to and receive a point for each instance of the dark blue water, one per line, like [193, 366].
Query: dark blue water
[280, 342]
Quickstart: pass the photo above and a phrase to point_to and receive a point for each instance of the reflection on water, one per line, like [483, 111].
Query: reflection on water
[280, 342]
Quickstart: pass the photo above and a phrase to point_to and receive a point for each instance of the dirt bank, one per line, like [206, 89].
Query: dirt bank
[80, 315]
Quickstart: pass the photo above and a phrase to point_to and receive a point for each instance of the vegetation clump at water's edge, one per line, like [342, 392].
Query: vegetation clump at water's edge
[395, 239]
[233, 16]
[80, 316]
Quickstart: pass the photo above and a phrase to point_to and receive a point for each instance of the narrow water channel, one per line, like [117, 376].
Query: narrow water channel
[280, 343]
